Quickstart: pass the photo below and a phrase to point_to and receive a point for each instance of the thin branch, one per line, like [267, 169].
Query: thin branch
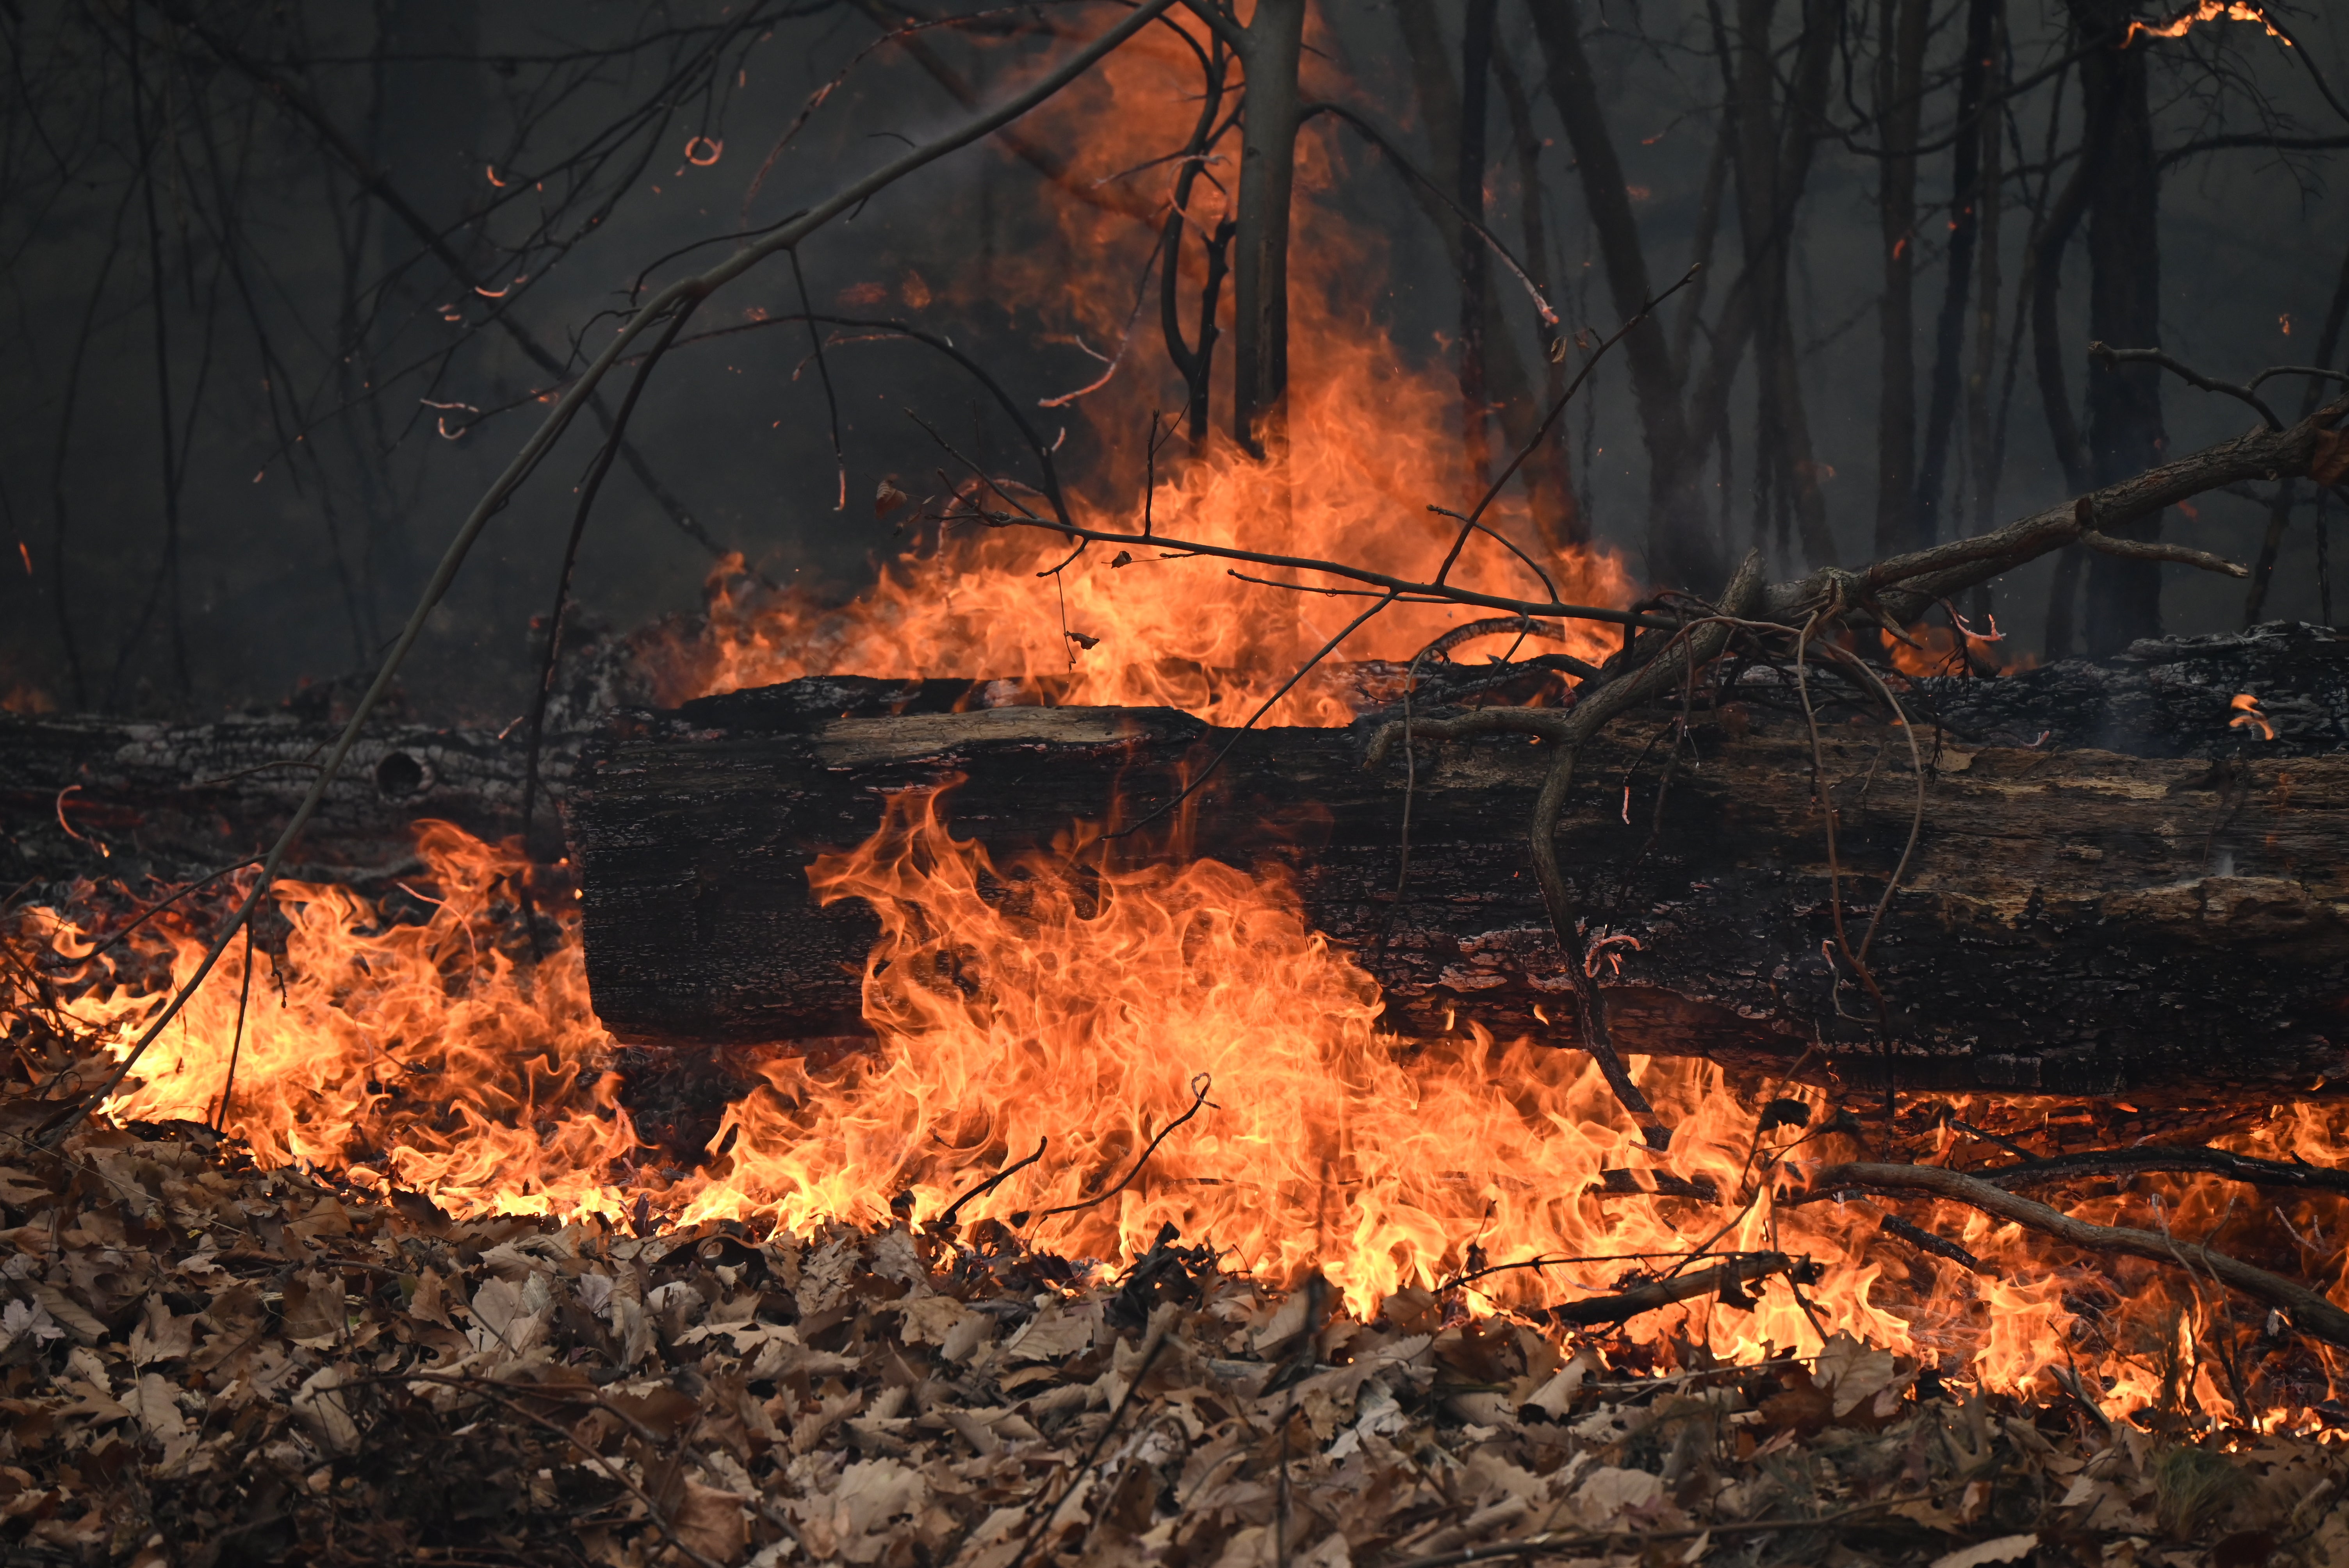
[2309, 1311]
[1200, 1084]
[2109, 357]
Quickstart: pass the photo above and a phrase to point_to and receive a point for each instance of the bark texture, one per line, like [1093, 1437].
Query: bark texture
[180, 800]
[2115, 890]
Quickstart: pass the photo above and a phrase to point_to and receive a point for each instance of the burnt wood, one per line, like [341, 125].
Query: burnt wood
[176, 802]
[2116, 888]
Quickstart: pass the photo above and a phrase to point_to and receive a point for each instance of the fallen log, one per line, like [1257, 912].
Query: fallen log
[2118, 885]
[91, 795]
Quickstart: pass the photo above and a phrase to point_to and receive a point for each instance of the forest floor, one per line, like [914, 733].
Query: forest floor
[201, 1362]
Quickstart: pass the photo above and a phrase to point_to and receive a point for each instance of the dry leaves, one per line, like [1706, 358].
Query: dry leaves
[204, 1363]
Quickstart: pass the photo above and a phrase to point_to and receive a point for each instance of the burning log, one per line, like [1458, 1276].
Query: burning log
[2117, 885]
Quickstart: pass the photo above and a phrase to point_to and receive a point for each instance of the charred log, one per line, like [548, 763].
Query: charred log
[103, 797]
[2117, 887]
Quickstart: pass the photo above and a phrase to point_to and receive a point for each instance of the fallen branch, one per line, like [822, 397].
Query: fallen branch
[1556, 1542]
[1598, 1309]
[2309, 1311]
[2111, 1162]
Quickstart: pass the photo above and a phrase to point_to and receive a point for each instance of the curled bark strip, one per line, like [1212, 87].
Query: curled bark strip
[1597, 1309]
[2116, 1162]
[2309, 1311]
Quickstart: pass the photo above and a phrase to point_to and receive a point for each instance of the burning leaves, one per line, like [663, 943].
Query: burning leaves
[204, 1362]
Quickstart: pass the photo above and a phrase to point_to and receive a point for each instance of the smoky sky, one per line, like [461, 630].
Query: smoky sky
[187, 254]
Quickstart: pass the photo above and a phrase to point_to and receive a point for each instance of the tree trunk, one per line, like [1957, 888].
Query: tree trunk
[1899, 99]
[2162, 913]
[1971, 198]
[1260, 269]
[2125, 429]
[1680, 550]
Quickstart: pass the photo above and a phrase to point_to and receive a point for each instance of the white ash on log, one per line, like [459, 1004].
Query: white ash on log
[2117, 887]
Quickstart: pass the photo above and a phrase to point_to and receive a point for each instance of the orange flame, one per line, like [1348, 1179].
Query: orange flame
[2247, 713]
[432, 1057]
[1074, 1010]
[2204, 11]
[1085, 1014]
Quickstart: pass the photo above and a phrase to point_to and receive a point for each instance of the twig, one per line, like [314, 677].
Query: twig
[236, 1044]
[2308, 1311]
[1200, 1084]
[2151, 549]
[1553, 1543]
[1592, 1311]
[1149, 1356]
[2110, 1162]
[2109, 356]
[1538, 1263]
[652, 1509]
[1926, 1241]
[823, 376]
[588, 490]
[991, 1183]
[1208, 772]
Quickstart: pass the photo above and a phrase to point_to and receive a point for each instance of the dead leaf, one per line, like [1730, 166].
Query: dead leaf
[153, 1404]
[324, 1409]
[159, 1337]
[2005, 1549]
[314, 1309]
[69, 1315]
[2328, 462]
[887, 498]
[713, 1522]
[1050, 1335]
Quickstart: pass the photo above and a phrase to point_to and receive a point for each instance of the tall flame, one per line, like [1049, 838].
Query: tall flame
[1176, 1045]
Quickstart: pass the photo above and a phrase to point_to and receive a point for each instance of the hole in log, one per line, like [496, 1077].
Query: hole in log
[399, 776]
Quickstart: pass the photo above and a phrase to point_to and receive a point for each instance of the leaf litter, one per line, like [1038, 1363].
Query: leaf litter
[202, 1362]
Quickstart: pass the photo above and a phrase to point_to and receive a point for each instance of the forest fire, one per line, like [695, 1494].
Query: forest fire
[1177, 1048]
[1090, 1060]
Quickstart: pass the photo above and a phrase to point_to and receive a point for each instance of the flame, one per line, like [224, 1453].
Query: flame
[1373, 442]
[1934, 649]
[435, 1057]
[2247, 713]
[1079, 1013]
[2204, 11]
[1173, 1042]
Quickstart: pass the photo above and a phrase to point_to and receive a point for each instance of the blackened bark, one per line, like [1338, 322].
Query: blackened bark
[1260, 269]
[1476, 76]
[2115, 890]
